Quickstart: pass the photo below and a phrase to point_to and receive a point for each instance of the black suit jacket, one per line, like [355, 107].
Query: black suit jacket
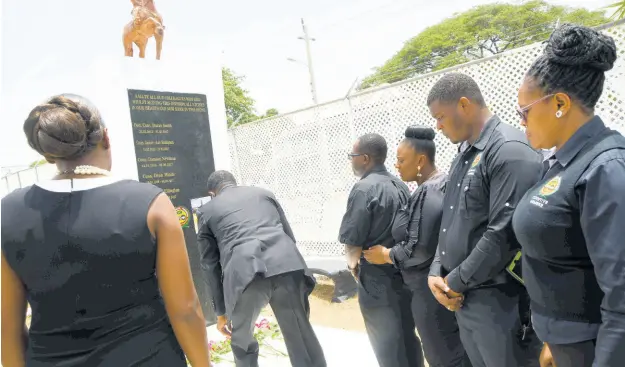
[243, 233]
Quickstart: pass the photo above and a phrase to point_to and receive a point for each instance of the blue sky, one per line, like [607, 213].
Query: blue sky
[256, 38]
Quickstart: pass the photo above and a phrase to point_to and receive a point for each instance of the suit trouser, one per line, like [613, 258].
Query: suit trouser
[391, 332]
[437, 326]
[288, 296]
[574, 355]
[489, 323]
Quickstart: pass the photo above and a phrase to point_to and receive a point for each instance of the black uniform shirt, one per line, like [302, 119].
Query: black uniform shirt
[372, 206]
[416, 226]
[573, 223]
[486, 182]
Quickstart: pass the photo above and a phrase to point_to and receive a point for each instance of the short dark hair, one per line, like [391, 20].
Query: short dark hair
[65, 127]
[421, 139]
[574, 62]
[218, 179]
[373, 145]
[453, 86]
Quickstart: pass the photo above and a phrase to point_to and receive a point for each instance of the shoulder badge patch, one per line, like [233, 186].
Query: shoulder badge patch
[550, 187]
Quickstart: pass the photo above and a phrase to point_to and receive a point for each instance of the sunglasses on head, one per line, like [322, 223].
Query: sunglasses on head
[524, 111]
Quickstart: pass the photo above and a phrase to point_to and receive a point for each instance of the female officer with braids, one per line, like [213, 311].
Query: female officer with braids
[415, 230]
[85, 251]
[571, 224]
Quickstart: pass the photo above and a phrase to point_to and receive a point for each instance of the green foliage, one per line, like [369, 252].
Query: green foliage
[270, 113]
[239, 104]
[479, 32]
[38, 163]
[619, 10]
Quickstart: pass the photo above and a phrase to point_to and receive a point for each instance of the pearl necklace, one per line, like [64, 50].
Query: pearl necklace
[86, 170]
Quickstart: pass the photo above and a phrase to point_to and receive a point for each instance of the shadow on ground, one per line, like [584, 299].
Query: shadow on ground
[345, 315]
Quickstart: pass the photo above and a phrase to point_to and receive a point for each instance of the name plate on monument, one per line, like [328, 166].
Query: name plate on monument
[174, 152]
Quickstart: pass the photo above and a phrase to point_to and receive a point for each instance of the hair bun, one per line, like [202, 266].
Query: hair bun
[420, 132]
[64, 127]
[575, 45]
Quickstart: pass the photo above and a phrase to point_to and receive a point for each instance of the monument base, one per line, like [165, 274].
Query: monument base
[173, 135]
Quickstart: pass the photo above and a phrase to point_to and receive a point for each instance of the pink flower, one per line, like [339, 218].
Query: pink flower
[263, 324]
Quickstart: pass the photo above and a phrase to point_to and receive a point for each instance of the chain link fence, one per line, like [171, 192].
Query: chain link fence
[302, 156]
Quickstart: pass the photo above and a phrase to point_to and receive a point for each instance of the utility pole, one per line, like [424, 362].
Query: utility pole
[307, 39]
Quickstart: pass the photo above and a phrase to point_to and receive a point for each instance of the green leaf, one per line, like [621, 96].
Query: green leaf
[477, 33]
[619, 10]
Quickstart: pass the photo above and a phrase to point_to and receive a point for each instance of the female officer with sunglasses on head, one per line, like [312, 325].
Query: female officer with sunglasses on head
[571, 224]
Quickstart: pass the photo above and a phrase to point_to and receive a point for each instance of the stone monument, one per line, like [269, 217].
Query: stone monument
[174, 151]
[146, 23]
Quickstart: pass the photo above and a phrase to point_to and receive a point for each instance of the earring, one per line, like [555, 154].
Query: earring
[418, 171]
[559, 114]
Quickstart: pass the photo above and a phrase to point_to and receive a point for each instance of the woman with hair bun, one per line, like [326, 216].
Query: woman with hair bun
[415, 230]
[571, 224]
[101, 261]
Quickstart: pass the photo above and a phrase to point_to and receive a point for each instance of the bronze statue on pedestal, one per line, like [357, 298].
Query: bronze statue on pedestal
[146, 22]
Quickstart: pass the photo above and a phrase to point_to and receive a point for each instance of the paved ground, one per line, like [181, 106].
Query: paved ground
[341, 348]
[339, 327]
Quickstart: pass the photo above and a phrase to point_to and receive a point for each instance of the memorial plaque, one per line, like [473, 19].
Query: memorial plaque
[174, 152]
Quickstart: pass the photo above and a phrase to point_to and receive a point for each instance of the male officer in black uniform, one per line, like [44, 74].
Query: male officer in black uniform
[384, 302]
[249, 257]
[492, 171]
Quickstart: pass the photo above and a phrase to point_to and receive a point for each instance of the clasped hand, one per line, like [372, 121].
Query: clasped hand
[444, 295]
[377, 254]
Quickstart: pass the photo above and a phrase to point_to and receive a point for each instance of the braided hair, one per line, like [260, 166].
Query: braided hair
[574, 62]
[65, 127]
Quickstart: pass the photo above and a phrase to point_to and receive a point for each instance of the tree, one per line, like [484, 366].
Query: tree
[619, 10]
[239, 104]
[480, 32]
[270, 113]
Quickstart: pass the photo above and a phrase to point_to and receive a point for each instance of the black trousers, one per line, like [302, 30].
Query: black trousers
[288, 296]
[574, 355]
[489, 323]
[391, 331]
[437, 326]
[530, 344]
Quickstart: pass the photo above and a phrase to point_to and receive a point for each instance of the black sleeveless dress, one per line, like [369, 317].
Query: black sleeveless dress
[87, 259]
